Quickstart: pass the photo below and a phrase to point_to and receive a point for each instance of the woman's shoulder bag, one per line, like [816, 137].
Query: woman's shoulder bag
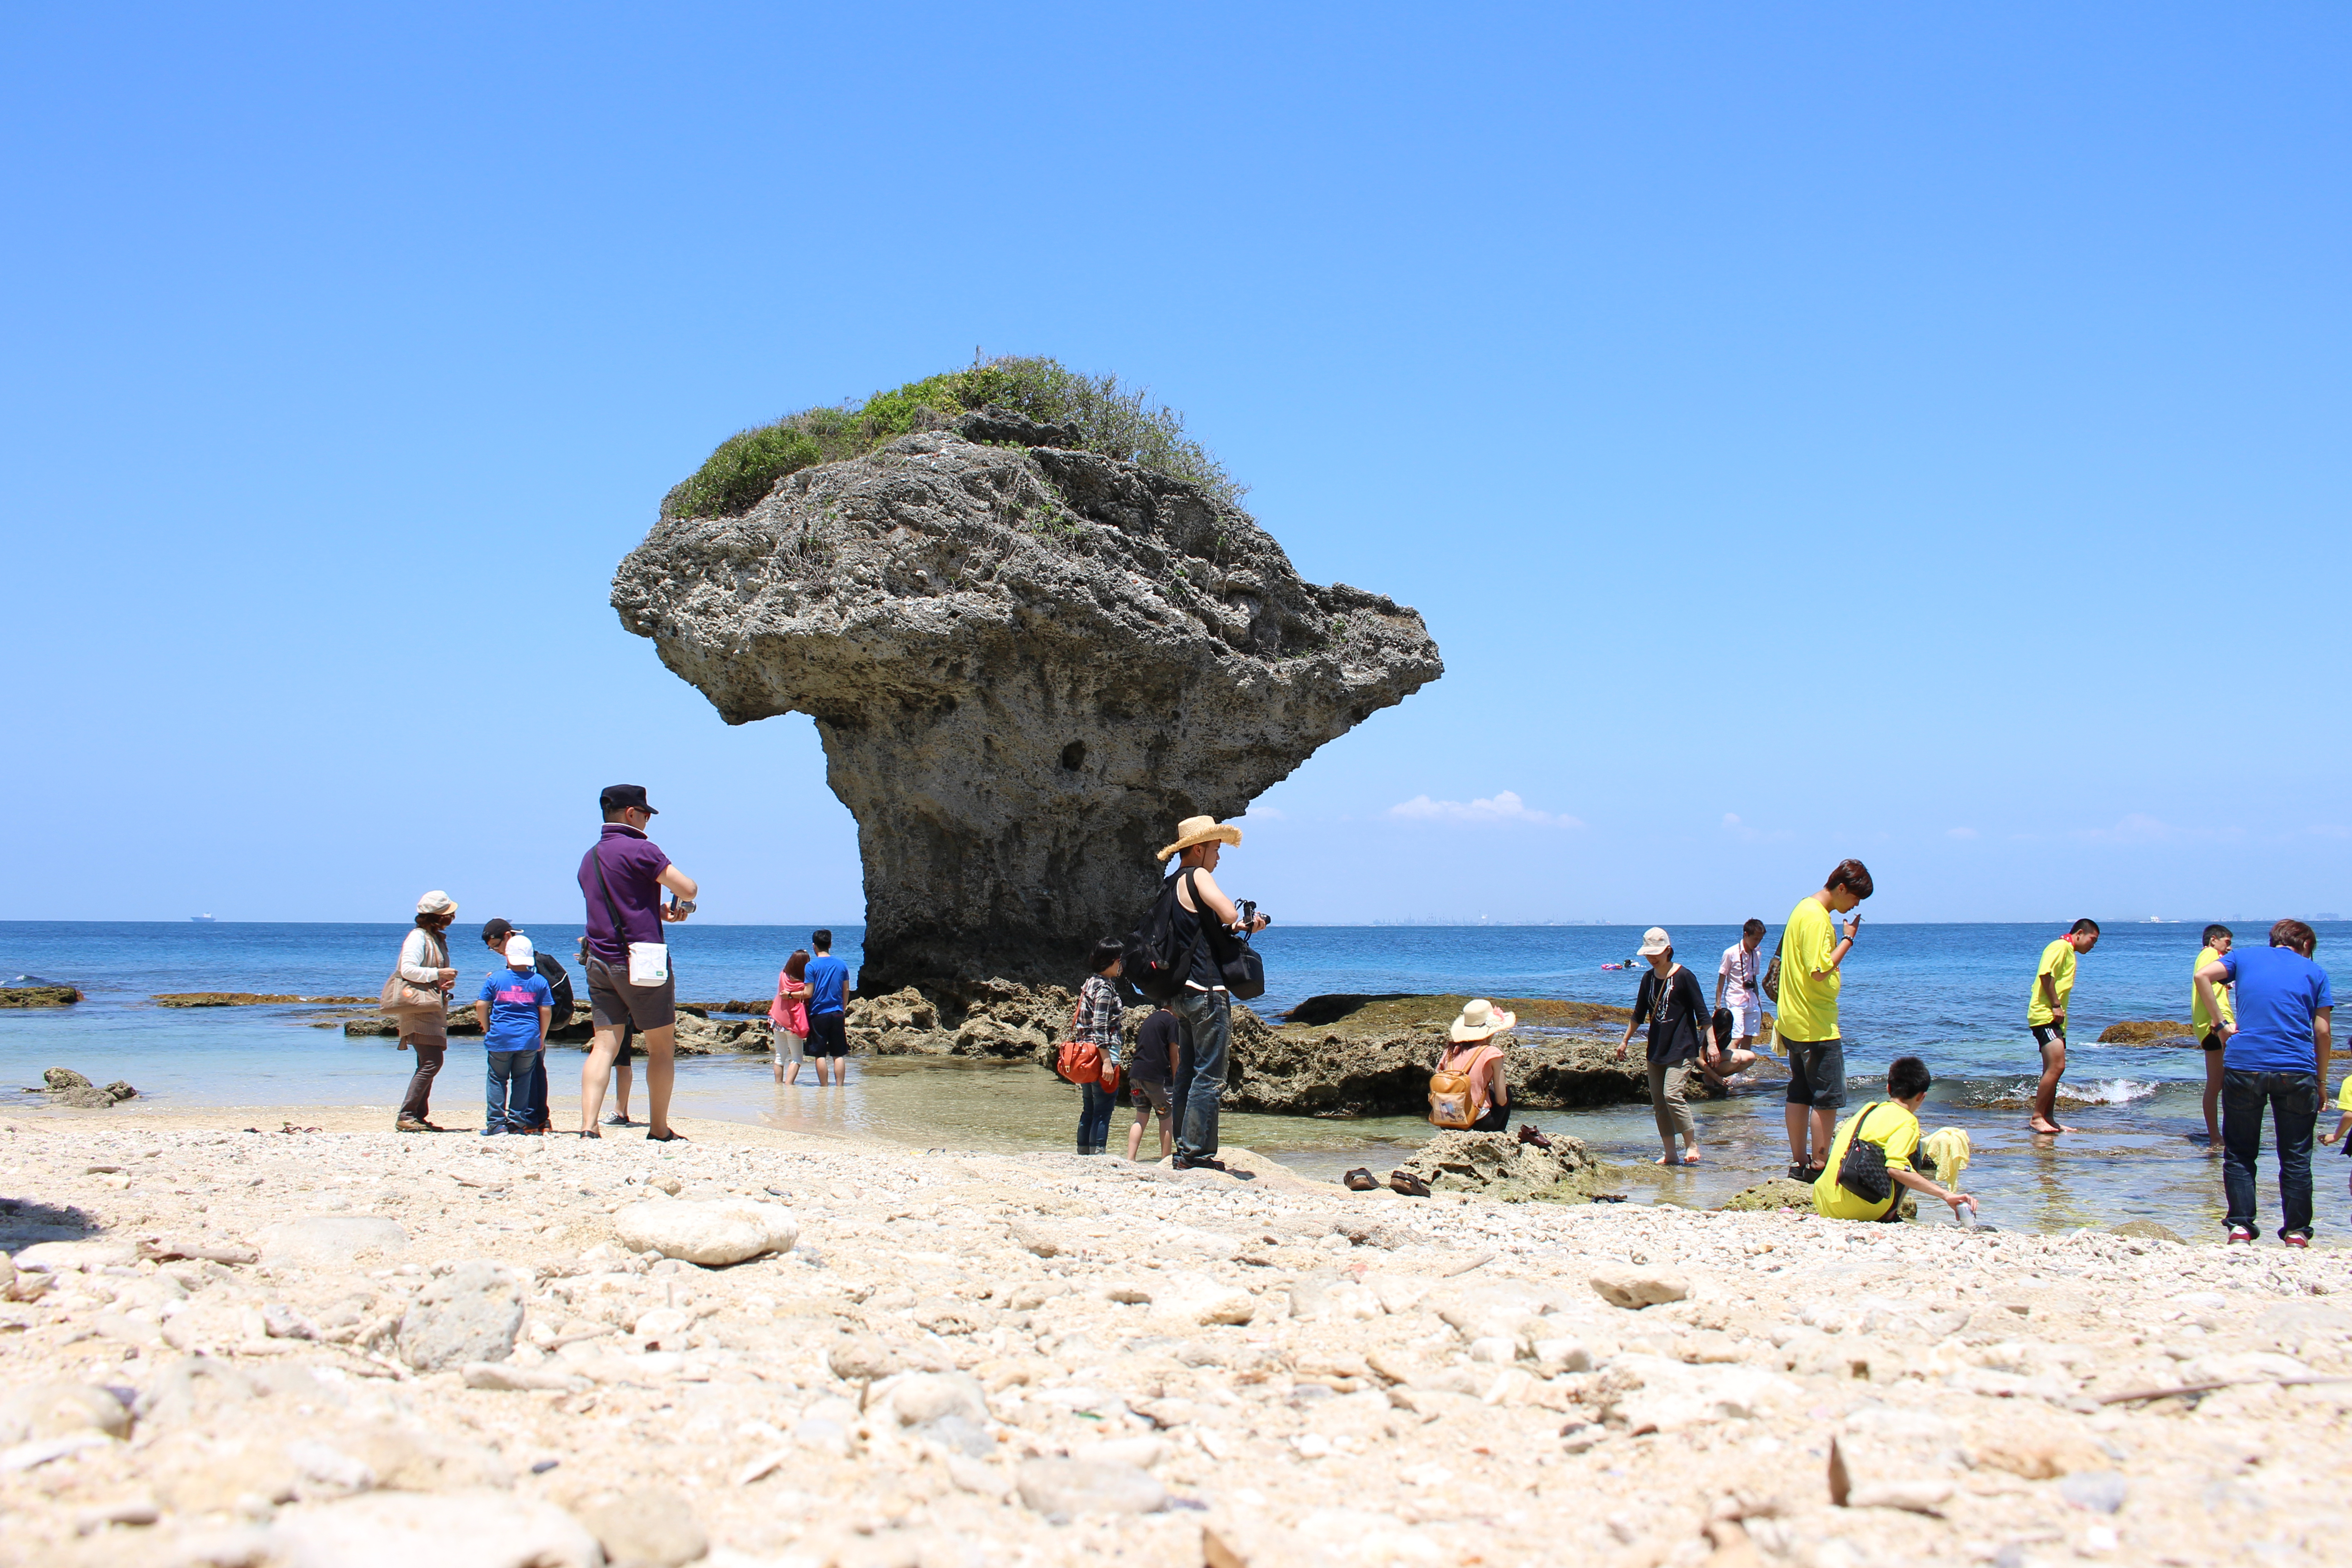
[404, 993]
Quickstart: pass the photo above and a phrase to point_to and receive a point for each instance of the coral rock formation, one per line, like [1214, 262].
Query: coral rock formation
[1026, 663]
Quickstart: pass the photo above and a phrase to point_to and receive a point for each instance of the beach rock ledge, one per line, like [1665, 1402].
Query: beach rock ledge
[1026, 663]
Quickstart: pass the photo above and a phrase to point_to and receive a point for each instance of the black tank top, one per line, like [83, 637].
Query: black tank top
[1185, 924]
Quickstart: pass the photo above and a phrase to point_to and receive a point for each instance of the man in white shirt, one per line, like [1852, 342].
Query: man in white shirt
[1740, 978]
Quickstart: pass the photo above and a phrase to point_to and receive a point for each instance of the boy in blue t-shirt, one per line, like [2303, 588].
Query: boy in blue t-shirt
[514, 1007]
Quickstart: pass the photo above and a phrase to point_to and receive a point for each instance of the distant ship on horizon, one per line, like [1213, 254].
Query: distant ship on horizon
[201, 919]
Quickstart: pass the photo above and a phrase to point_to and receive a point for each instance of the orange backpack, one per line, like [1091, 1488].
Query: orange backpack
[1452, 1095]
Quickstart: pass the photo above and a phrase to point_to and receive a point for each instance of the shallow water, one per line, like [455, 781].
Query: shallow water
[1954, 994]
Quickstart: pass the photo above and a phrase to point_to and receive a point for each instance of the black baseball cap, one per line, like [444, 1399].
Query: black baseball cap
[624, 797]
[497, 930]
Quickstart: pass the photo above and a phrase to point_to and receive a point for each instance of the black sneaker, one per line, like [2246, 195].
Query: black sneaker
[1203, 1163]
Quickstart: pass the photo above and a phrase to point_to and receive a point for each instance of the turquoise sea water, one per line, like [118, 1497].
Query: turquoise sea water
[1953, 994]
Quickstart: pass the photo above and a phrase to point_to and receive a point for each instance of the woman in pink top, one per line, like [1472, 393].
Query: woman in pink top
[789, 1014]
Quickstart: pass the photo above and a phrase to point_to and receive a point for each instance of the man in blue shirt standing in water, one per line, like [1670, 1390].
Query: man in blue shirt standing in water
[2272, 1058]
[828, 1011]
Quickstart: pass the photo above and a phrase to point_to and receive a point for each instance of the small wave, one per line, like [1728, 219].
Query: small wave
[1987, 1094]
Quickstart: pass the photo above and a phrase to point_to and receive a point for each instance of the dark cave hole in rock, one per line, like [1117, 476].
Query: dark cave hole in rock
[1074, 756]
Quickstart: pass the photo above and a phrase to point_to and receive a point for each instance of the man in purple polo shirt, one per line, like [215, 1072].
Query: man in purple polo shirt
[622, 879]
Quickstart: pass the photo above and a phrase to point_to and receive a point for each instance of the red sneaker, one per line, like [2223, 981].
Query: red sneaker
[2296, 1239]
[2240, 1236]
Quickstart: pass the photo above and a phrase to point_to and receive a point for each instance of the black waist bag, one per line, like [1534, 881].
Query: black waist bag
[1244, 973]
[1863, 1172]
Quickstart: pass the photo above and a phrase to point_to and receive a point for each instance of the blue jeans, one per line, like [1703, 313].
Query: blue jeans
[1206, 1021]
[508, 1089]
[539, 1117]
[2292, 1099]
[1094, 1118]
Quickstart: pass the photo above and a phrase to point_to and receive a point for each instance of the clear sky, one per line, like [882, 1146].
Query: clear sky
[1910, 432]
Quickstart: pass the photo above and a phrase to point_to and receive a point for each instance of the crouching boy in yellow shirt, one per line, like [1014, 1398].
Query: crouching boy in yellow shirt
[1893, 1124]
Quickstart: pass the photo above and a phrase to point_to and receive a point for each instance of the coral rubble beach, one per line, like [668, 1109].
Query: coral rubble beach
[335, 1344]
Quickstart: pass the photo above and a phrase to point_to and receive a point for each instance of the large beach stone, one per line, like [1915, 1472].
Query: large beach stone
[1067, 1489]
[454, 1530]
[1504, 1309]
[1633, 1287]
[710, 1232]
[60, 1257]
[919, 1399]
[59, 1410]
[325, 1240]
[649, 1527]
[1025, 667]
[471, 1313]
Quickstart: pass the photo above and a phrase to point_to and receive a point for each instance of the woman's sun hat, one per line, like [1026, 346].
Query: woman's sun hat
[437, 903]
[1655, 941]
[1200, 830]
[1480, 1018]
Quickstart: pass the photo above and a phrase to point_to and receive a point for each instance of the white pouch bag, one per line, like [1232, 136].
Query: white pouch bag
[648, 961]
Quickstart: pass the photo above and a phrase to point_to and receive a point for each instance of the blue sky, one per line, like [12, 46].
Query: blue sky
[1905, 432]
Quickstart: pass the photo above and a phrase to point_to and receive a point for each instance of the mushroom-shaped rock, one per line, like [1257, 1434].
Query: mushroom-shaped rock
[1026, 663]
[711, 1233]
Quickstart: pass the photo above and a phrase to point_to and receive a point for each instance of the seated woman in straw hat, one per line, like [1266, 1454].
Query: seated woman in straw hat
[1471, 1050]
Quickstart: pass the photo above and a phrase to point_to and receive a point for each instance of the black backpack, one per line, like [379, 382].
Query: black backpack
[1149, 958]
[559, 984]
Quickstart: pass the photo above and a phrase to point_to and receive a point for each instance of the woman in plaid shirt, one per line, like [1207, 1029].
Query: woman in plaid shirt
[1097, 1021]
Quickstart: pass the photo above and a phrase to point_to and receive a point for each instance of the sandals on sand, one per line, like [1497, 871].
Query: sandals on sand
[670, 1137]
[1359, 1180]
[1407, 1184]
[1806, 1173]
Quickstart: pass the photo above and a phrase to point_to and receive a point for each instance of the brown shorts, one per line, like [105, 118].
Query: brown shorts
[612, 1002]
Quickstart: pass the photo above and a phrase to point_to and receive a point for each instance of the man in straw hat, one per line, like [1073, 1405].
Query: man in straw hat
[1204, 1009]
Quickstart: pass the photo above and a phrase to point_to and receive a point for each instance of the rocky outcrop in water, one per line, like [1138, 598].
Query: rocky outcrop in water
[65, 1087]
[1372, 1056]
[38, 995]
[1026, 663]
[2147, 1031]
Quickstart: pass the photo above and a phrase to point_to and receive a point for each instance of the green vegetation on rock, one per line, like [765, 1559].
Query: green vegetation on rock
[1098, 412]
[1780, 1192]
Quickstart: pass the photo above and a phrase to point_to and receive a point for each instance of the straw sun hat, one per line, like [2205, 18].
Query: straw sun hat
[1200, 830]
[1480, 1018]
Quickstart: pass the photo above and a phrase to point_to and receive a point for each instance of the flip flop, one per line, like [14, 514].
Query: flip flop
[1407, 1184]
[1359, 1180]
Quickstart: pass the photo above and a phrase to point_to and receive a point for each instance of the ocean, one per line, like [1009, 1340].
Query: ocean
[1953, 994]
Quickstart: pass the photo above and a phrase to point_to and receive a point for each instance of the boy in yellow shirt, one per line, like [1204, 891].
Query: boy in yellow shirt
[2045, 1014]
[1809, 960]
[2218, 939]
[1893, 1124]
